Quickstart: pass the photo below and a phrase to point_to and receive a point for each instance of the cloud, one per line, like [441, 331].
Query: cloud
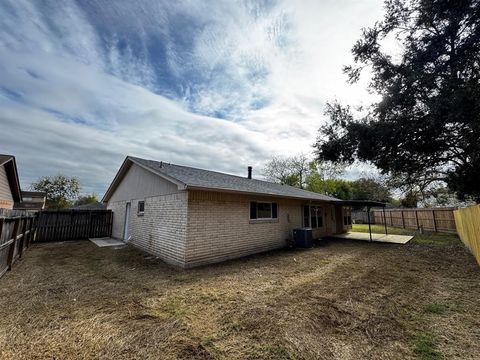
[219, 85]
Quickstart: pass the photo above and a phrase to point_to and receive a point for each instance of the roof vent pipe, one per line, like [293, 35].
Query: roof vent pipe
[249, 172]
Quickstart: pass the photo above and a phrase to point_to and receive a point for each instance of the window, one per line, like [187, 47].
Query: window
[263, 210]
[141, 208]
[313, 216]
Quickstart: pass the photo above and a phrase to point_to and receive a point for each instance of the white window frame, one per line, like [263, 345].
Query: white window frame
[140, 213]
[321, 211]
[263, 218]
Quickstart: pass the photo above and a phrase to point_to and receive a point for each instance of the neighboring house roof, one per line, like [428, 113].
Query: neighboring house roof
[38, 194]
[94, 206]
[8, 161]
[37, 201]
[198, 179]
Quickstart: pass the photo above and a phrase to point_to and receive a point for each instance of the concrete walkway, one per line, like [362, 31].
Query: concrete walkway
[106, 241]
[390, 238]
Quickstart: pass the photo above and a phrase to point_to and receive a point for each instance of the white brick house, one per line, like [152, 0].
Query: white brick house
[189, 217]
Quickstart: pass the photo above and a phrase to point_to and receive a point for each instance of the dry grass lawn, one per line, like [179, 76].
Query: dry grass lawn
[340, 300]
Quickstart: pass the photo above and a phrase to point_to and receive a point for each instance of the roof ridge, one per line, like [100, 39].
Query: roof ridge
[196, 168]
[219, 172]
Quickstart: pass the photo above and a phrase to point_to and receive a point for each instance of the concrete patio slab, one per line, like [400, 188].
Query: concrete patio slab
[390, 238]
[106, 241]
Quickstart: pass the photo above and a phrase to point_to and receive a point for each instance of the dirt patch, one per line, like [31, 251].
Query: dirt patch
[340, 300]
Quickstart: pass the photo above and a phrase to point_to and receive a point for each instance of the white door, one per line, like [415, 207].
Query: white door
[127, 220]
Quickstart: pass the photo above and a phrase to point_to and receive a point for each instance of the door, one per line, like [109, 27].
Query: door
[333, 224]
[127, 220]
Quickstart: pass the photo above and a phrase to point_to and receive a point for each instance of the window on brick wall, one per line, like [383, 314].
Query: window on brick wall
[141, 207]
[263, 210]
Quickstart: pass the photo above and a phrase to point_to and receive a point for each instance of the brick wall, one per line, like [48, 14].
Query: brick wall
[219, 227]
[161, 230]
[198, 227]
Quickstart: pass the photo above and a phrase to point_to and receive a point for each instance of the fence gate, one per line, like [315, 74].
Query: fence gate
[60, 225]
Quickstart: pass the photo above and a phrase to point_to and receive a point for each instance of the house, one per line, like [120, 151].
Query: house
[9, 183]
[189, 217]
[93, 206]
[32, 201]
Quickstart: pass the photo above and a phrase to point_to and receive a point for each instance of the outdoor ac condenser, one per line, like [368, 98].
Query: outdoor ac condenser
[303, 238]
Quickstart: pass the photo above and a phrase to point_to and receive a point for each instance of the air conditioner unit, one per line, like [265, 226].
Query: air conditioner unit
[303, 237]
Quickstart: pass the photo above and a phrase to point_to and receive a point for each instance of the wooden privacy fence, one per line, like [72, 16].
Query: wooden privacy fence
[468, 228]
[361, 217]
[16, 235]
[60, 225]
[435, 219]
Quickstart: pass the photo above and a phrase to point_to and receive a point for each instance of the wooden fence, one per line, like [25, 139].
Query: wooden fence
[16, 235]
[468, 228]
[73, 224]
[361, 217]
[435, 219]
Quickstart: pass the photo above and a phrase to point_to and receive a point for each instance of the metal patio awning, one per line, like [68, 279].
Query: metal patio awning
[368, 204]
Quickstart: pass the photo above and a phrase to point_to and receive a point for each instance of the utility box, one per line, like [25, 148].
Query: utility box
[303, 238]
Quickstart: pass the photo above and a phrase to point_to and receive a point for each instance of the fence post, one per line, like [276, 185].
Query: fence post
[11, 250]
[27, 228]
[1, 228]
[89, 224]
[22, 239]
[403, 219]
[369, 225]
[385, 221]
[434, 221]
[416, 219]
[31, 231]
[35, 221]
[55, 227]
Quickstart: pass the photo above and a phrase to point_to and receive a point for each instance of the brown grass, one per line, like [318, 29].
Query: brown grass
[340, 300]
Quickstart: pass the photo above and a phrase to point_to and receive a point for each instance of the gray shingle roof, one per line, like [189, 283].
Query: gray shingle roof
[94, 206]
[199, 178]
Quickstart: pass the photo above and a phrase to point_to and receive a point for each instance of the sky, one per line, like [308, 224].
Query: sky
[219, 85]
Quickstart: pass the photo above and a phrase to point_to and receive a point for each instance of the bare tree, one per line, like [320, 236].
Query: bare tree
[288, 170]
[278, 170]
[328, 169]
[300, 166]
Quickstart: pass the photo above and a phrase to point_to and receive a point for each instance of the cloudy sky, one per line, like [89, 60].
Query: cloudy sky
[212, 84]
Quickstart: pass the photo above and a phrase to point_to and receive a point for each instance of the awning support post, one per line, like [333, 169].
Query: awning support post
[385, 221]
[369, 225]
